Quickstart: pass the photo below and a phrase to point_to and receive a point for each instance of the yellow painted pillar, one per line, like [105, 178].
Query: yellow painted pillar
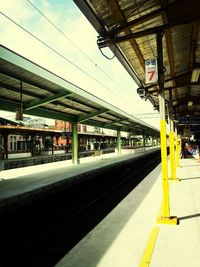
[172, 159]
[165, 184]
[164, 217]
[171, 142]
[178, 146]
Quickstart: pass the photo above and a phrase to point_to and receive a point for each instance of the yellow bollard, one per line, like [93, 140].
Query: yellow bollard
[172, 158]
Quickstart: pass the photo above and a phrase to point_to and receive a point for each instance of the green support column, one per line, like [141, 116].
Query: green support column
[5, 143]
[75, 159]
[118, 142]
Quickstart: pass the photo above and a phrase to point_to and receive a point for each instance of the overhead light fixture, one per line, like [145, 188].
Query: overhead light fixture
[190, 103]
[195, 75]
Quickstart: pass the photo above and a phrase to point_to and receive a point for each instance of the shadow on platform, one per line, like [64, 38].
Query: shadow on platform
[189, 216]
[191, 178]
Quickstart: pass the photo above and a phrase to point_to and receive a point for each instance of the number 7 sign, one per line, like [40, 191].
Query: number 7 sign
[151, 71]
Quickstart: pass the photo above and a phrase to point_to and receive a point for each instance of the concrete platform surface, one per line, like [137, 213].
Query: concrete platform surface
[122, 237]
[25, 184]
[180, 245]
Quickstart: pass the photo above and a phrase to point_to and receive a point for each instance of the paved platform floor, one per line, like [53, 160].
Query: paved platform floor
[180, 245]
[25, 184]
[121, 238]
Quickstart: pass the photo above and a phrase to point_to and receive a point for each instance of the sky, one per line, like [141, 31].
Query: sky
[77, 58]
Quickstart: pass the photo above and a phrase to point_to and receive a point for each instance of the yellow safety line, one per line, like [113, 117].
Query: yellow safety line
[149, 248]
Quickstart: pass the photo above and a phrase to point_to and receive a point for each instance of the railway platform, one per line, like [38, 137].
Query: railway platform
[23, 185]
[130, 236]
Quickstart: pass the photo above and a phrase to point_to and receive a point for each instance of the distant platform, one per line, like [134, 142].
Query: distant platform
[23, 185]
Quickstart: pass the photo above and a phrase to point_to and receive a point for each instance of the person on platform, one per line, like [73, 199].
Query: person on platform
[183, 150]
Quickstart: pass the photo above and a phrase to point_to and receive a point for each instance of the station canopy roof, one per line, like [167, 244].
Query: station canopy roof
[26, 85]
[129, 28]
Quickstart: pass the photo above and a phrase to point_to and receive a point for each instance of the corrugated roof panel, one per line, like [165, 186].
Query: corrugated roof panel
[181, 47]
[130, 8]
[9, 94]
[87, 102]
[132, 58]
[100, 119]
[63, 109]
[75, 105]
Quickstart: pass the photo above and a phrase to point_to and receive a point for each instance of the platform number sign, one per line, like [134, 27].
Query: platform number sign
[151, 71]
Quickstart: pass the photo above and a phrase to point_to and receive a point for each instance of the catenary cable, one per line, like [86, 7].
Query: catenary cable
[74, 44]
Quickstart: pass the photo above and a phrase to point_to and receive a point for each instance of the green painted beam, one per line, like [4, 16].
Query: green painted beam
[86, 117]
[41, 112]
[46, 113]
[111, 127]
[112, 122]
[8, 105]
[46, 100]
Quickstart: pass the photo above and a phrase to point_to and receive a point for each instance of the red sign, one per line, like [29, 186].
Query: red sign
[151, 71]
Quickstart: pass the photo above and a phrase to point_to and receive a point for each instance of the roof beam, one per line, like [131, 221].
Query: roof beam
[181, 76]
[47, 113]
[25, 80]
[112, 122]
[191, 60]
[170, 50]
[89, 13]
[125, 128]
[185, 112]
[174, 87]
[78, 101]
[46, 100]
[12, 106]
[24, 92]
[166, 7]
[135, 22]
[114, 6]
[103, 42]
[185, 100]
[86, 117]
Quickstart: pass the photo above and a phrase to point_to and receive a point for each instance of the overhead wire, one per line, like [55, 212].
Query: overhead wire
[56, 52]
[51, 48]
[73, 43]
[61, 32]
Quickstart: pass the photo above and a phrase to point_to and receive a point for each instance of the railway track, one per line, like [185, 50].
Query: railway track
[41, 233]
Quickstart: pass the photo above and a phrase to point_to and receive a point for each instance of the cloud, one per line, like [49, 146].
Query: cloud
[18, 11]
